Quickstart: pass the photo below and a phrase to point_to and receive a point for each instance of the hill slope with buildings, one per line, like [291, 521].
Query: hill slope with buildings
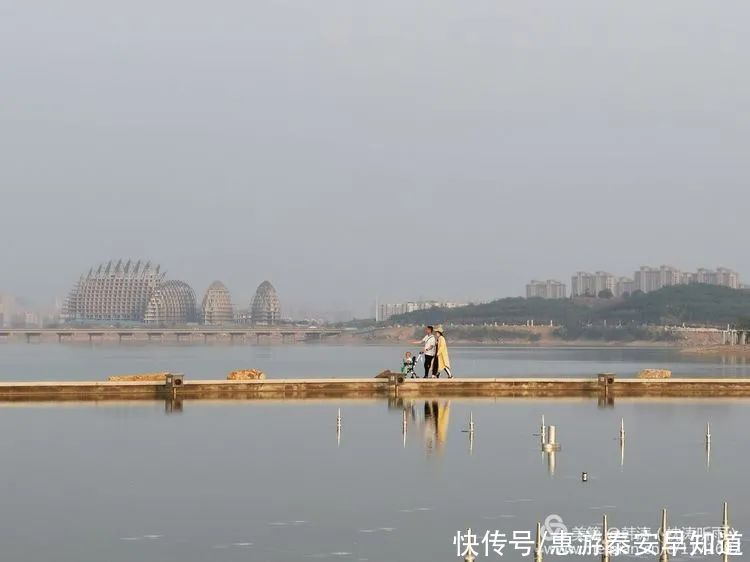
[695, 304]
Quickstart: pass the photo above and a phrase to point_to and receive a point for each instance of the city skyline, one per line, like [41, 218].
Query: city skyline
[645, 279]
[591, 284]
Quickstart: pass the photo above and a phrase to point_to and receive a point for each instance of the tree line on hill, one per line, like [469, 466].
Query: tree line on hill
[704, 305]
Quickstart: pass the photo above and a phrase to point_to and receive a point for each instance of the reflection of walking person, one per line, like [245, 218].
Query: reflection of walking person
[429, 351]
[442, 358]
[436, 416]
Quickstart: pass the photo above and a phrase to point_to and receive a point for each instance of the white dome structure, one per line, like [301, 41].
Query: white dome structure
[266, 307]
[217, 305]
[172, 303]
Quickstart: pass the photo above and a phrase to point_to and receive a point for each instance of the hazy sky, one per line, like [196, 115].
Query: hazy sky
[343, 150]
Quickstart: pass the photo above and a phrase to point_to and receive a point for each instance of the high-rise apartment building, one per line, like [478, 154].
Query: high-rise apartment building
[550, 289]
[385, 311]
[649, 279]
[624, 286]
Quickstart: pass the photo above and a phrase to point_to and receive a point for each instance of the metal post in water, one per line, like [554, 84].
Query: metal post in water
[338, 427]
[622, 429]
[471, 422]
[551, 444]
[538, 551]
[605, 539]
[708, 434]
[663, 556]
[725, 533]
[404, 427]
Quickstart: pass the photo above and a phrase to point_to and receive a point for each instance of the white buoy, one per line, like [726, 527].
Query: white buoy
[543, 431]
[584, 476]
[622, 429]
[471, 422]
[708, 434]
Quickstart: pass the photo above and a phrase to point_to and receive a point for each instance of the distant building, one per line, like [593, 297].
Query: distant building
[385, 311]
[129, 292]
[603, 281]
[624, 286]
[582, 284]
[114, 292]
[549, 289]
[266, 307]
[172, 303]
[585, 284]
[7, 309]
[217, 305]
[649, 279]
[721, 276]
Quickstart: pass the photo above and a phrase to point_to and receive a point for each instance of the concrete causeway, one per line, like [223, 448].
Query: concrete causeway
[604, 388]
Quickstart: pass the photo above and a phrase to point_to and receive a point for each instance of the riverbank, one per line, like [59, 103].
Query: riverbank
[516, 336]
[718, 350]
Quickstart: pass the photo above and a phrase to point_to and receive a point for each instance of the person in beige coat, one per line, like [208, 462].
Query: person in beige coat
[443, 360]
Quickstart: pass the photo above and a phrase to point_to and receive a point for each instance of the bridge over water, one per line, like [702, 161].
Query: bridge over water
[206, 334]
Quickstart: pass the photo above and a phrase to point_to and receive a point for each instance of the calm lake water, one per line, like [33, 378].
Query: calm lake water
[257, 481]
[79, 362]
[270, 481]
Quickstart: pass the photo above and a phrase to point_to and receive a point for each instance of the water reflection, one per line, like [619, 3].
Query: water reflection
[435, 426]
[431, 419]
[173, 405]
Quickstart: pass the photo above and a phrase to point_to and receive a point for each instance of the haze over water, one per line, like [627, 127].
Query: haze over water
[96, 362]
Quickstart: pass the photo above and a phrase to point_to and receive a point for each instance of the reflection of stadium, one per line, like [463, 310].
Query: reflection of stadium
[266, 307]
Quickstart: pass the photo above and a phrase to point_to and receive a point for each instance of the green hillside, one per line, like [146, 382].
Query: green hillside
[689, 304]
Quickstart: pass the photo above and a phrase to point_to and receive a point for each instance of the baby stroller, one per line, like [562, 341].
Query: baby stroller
[407, 367]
